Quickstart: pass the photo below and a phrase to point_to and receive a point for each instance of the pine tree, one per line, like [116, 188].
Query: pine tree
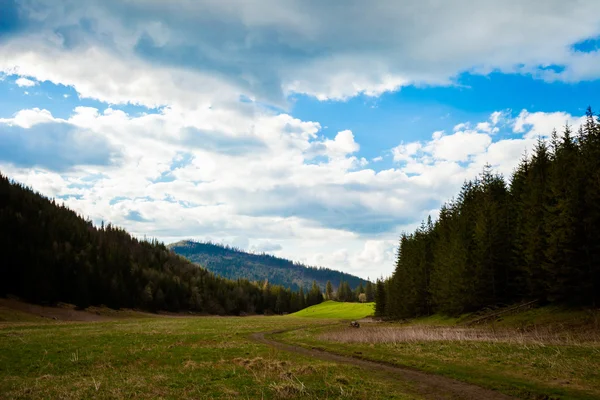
[341, 294]
[380, 299]
[563, 262]
[535, 230]
[314, 296]
[328, 291]
[302, 299]
[369, 292]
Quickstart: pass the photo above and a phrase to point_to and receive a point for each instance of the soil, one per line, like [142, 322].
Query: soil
[427, 385]
[68, 312]
[62, 312]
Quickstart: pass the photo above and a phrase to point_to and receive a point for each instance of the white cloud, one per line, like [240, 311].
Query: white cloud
[459, 146]
[208, 165]
[342, 144]
[315, 48]
[541, 124]
[461, 126]
[496, 117]
[24, 82]
[404, 152]
[260, 188]
[29, 118]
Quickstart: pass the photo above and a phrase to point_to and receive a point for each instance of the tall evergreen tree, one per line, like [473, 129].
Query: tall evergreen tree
[380, 299]
[535, 238]
[328, 291]
[369, 291]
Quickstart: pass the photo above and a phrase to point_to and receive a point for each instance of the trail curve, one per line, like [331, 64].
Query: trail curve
[429, 386]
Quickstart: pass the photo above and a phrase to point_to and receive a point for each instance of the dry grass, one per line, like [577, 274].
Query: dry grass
[413, 334]
[286, 384]
[178, 358]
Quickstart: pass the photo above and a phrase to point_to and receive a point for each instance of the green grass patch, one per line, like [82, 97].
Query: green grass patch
[529, 370]
[555, 317]
[337, 310]
[173, 358]
[438, 320]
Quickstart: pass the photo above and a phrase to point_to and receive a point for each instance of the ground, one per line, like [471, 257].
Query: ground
[128, 354]
[166, 357]
[338, 310]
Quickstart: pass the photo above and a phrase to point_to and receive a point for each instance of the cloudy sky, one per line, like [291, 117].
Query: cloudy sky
[313, 130]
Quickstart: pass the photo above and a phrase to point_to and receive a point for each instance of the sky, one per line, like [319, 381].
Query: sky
[314, 130]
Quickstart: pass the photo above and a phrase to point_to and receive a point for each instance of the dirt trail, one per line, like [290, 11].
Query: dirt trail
[427, 385]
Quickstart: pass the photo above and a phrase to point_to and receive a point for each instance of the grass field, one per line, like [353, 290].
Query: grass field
[336, 310]
[539, 354]
[170, 358]
[543, 353]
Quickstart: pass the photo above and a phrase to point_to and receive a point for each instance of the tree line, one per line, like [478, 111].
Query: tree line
[536, 236]
[344, 292]
[51, 254]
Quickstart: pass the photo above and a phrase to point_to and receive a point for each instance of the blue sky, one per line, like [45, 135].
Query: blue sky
[315, 130]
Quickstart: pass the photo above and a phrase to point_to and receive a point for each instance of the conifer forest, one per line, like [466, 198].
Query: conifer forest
[533, 236]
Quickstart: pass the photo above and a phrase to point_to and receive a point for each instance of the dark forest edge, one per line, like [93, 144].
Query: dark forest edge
[536, 237]
[50, 254]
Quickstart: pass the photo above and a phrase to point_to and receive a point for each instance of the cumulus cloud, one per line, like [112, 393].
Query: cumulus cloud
[459, 146]
[215, 160]
[404, 152]
[320, 49]
[466, 151]
[342, 144]
[541, 124]
[24, 82]
[33, 138]
[141, 172]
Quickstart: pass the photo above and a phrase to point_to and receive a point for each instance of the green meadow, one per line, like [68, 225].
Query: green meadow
[337, 310]
[171, 358]
[138, 355]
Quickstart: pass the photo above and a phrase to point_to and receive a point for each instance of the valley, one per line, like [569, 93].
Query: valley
[541, 353]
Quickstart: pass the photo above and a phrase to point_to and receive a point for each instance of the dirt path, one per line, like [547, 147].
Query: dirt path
[427, 385]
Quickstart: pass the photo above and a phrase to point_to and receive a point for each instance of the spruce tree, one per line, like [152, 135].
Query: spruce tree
[380, 299]
[369, 292]
[328, 291]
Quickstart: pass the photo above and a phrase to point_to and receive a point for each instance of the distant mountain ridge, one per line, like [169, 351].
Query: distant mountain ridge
[232, 263]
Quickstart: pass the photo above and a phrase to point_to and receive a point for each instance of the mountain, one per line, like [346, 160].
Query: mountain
[50, 254]
[232, 263]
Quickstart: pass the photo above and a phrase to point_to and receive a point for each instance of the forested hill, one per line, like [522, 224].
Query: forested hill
[234, 264]
[535, 237]
[51, 254]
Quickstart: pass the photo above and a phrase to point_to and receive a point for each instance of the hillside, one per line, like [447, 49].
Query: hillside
[334, 309]
[50, 254]
[235, 264]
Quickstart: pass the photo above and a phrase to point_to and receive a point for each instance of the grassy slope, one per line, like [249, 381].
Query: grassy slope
[334, 309]
[526, 370]
[171, 358]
